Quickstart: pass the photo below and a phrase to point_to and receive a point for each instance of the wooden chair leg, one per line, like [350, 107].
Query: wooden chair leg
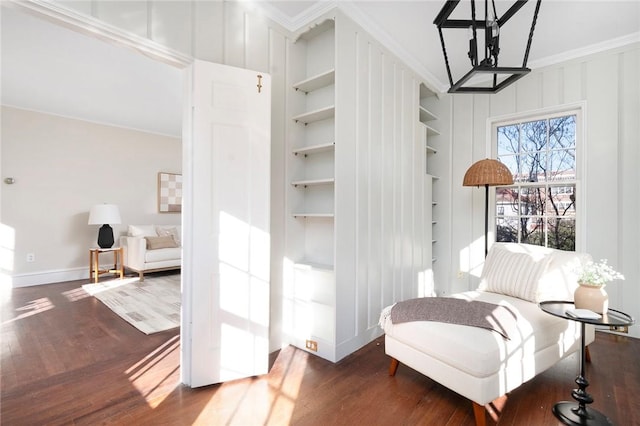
[587, 354]
[393, 367]
[480, 414]
[493, 409]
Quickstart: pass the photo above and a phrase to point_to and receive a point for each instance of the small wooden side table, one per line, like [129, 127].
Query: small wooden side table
[94, 262]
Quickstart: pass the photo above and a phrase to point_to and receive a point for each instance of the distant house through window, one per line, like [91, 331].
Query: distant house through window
[540, 207]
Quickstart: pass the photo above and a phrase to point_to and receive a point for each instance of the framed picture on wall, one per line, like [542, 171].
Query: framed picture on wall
[169, 192]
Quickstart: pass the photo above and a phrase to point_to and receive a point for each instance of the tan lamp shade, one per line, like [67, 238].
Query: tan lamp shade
[487, 172]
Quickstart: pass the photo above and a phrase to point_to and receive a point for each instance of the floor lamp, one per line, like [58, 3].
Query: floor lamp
[487, 172]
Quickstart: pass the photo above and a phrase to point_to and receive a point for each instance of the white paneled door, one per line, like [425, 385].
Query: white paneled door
[225, 274]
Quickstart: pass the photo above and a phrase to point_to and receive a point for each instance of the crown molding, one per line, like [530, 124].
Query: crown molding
[586, 51]
[85, 24]
[304, 18]
[384, 38]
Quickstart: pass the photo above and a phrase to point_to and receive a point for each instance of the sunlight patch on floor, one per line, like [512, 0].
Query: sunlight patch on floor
[266, 400]
[75, 294]
[33, 307]
[154, 376]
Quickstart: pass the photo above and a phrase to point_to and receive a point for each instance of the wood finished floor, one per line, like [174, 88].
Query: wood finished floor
[67, 359]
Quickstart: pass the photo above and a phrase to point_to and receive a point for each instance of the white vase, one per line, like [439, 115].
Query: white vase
[591, 297]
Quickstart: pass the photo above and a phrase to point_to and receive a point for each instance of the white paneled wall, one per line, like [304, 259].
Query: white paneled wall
[380, 186]
[608, 85]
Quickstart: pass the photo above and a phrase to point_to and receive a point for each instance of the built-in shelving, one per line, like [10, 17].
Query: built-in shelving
[303, 215]
[431, 131]
[313, 182]
[316, 115]
[316, 82]
[426, 115]
[314, 149]
[428, 120]
[312, 197]
[334, 155]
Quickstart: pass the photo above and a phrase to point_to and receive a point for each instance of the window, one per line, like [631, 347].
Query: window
[540, 207]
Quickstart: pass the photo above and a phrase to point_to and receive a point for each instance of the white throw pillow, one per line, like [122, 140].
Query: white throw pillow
[560, 279]
[514, 270]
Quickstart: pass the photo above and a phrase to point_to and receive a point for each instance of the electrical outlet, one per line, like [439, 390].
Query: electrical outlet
[31, 257]
[619, 328]
[312, 345]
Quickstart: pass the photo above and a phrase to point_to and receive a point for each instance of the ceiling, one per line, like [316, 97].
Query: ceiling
[53, 69]
[48, 68]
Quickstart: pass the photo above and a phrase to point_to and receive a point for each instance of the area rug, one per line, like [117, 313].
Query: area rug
[151, 306]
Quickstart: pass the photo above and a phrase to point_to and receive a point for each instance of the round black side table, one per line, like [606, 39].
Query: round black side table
[577, 413]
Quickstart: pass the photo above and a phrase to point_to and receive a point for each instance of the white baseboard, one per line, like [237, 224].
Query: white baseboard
[48, 277]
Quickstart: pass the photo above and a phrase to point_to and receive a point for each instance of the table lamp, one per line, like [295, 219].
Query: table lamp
[104, 214]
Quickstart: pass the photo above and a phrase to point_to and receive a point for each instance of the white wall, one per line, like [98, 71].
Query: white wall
[608, 84]
[61, 168]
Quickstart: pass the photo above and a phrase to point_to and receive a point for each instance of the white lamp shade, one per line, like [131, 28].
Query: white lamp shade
[104, 214]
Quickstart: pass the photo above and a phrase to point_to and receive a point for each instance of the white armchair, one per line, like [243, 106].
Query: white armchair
[479, 364]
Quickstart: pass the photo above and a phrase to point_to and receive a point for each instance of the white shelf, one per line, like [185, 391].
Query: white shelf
[315, 149]
[303, 215]
[319, 81]
[426, 115]
[316, 115]
[431, 149]
[313, 182]
[430, 130]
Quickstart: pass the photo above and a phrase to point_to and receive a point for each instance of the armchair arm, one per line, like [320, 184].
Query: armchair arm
[136, 249]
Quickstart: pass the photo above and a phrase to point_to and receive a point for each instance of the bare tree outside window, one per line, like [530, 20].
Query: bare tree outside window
[539, 208]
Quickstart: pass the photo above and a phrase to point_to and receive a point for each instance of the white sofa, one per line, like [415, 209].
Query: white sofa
[478, 363]
[152, 248]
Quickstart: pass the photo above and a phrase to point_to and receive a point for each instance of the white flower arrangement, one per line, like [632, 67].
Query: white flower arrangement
[598, 274]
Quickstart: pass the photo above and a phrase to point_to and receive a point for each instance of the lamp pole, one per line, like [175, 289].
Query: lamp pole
[486, 220]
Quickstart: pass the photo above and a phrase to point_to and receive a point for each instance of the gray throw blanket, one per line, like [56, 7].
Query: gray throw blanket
[456, 311]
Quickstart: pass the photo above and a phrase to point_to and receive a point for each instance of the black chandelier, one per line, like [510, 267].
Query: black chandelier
[491, 26]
